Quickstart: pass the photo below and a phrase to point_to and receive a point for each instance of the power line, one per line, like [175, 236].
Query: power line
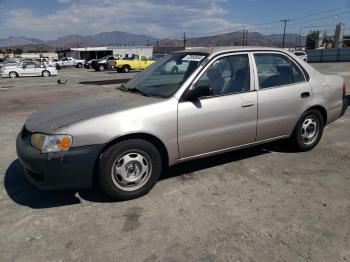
[320, 13]
[305, 16]
[321, 18]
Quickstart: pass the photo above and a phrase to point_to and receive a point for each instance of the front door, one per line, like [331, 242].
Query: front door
[224, 120]
[283, 95]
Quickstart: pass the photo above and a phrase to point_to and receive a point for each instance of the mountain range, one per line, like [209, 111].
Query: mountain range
[123, 38]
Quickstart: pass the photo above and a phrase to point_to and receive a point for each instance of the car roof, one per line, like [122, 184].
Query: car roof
[223, 49]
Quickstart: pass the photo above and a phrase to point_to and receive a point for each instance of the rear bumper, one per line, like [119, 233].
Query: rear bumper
[72, 169]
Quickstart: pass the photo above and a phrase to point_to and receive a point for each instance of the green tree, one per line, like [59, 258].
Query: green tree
[311, 39]
[18, 51]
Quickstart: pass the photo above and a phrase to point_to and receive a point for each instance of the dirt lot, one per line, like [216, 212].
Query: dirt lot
[259, 204]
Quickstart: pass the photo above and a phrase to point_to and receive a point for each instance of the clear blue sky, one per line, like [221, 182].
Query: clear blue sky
[49, 19]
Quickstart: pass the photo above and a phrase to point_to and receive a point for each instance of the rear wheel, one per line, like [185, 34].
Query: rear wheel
[101, 68]
[126, 69]
[79, 65]
[45, 73]
[13, 75]
[308, 131]
[129, 169]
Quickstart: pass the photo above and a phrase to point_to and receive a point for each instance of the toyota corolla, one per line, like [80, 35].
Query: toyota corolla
[225, 99]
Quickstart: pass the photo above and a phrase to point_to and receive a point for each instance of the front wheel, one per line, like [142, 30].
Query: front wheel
[129, 169]
[79, 65]
[308, 131]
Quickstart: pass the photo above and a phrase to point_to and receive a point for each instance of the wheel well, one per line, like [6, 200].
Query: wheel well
[126, 66]
[150, 138]
[322, 111]
[14, 72]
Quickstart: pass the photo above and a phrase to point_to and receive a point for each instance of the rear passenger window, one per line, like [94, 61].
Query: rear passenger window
[276, 70]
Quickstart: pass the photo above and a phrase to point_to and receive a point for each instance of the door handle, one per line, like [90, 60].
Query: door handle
[248, 104]
[305, 95]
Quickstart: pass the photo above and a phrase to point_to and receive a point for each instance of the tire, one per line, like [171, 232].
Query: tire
[45, 73]
[125, 69]
[13, 74]
[79, 65]
[308, 131]
[101, 68]
[58, 67]
[174, 70]
[138, 157]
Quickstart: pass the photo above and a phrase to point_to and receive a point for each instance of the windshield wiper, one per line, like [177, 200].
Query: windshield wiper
[136, 90]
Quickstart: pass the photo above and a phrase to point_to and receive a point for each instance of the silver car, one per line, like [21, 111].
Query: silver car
[28, 69]
[227, 98]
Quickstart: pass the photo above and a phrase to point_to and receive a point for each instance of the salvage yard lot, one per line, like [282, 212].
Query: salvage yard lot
[260, 204]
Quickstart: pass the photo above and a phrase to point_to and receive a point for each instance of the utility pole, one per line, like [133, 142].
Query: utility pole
[185, 40]
[246, 37]
[243, 36]
[284, 31]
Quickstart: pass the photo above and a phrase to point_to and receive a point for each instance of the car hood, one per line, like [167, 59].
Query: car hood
[50, 118]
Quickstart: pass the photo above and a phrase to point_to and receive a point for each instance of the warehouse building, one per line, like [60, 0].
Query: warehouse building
[88, 53]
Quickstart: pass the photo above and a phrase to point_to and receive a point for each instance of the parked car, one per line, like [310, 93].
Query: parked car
[228, 98]
[106, 62]
[87, 63]
[70, 61]
[174, 68]
[28, 69]
[11, 63]
[301, 54]
[44, 61]
[134, 63]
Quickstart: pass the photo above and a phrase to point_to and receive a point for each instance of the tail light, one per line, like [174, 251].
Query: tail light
[344, 89]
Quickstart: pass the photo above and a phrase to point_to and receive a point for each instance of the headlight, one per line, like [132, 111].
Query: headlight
[51, 143]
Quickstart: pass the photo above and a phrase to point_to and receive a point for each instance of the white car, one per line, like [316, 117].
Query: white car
[70, 61]
[44, 61]
[28, 69]
[176, 68]
[301, 54]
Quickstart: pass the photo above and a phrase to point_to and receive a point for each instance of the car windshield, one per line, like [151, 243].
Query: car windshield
[165, 76]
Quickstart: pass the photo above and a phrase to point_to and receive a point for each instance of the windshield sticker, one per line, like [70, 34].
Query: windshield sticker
[193, 58]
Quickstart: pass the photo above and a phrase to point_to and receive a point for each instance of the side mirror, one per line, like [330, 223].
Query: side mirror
[196, 92]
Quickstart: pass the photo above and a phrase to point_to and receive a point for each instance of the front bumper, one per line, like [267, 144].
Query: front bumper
[71, 169]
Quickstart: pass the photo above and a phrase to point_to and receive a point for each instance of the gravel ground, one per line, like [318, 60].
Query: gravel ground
[258, 204]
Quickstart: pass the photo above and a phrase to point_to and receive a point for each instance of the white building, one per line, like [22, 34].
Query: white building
[98, 52]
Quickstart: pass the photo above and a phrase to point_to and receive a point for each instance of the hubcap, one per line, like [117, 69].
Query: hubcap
[131, 171]
[309, 130]
[13, 75]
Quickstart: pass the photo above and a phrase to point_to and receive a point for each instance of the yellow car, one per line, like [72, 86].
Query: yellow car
[135, 63]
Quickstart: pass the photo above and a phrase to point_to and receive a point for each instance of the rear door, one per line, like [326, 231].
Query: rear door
[283, 94]
[226, 119]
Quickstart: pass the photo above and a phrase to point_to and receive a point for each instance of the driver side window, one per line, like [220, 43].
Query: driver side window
[227, 75]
